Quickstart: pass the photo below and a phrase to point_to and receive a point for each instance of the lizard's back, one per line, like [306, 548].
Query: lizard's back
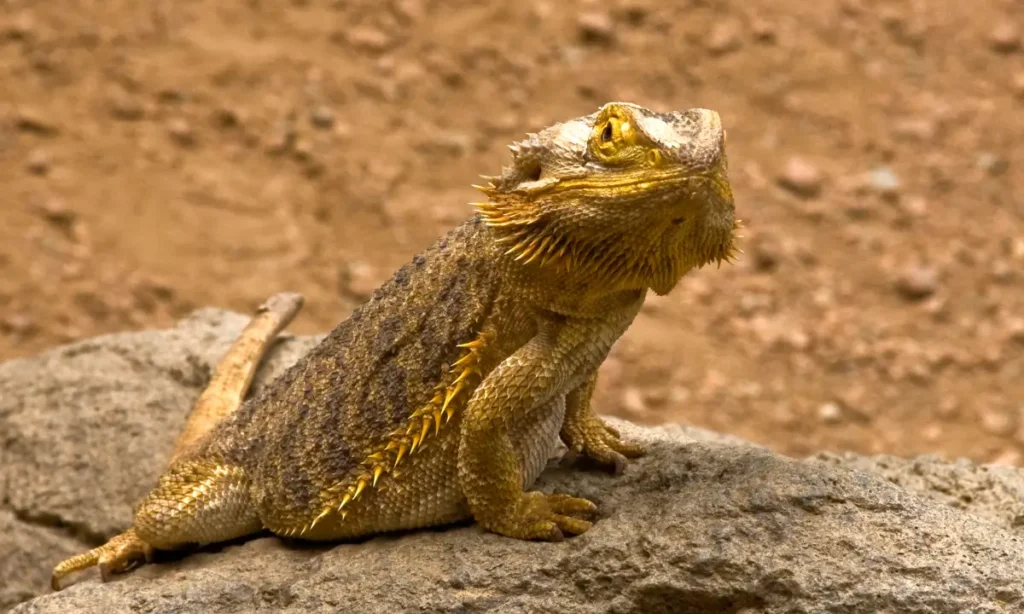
[314, 428]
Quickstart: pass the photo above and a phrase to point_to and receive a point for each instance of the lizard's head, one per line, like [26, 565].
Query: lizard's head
[626, 197]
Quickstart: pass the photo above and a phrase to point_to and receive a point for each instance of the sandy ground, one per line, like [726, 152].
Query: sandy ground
[160, 156]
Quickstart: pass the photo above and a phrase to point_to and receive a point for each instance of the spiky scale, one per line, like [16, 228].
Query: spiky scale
[402, 449]
[377, 471]
[344, 501]
[427, 422]
[360, 486]
[322, 515]
[464, 360]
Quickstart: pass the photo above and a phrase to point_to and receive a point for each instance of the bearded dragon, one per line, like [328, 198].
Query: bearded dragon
[443, 396]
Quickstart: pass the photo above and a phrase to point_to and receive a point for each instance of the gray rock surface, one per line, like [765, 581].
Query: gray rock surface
[704, 523]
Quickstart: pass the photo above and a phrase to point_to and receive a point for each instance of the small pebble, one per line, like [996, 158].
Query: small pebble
[948, 409]
[411, 11]
[992, 164]
[920, 129]
[801, 178]
[125, 108]
[18, 324]
[227, 117]
[998, 423]
[884, 180]
[57, 212]
[1003, 272]
[38, 162]
[1013, 330]
[830, 413]
[766, 252]
[1017, 85]
[21, 27]
[1005, 38]
[31, 120]
[917, 282]
[322, 117]
[763, 30]
[369, 39]
[596, 28]
[181, 132]
[723, 38]
[916, 206]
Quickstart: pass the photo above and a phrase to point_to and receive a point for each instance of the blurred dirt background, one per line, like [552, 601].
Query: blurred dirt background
[165, 155]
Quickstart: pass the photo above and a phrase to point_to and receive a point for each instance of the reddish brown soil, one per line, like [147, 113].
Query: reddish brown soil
[160, 156]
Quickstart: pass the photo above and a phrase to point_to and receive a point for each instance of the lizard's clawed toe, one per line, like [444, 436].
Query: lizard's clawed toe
[548, 517]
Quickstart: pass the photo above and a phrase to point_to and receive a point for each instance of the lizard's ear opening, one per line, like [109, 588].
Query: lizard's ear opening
[534, 173]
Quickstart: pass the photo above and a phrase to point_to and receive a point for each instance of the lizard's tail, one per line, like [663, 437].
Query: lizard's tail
[222, 396]
[234, 373]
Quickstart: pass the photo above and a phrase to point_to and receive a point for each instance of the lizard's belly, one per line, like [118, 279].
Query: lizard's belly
[424, 491]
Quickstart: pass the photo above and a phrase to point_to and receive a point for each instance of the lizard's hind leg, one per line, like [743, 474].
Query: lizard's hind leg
[195, 501]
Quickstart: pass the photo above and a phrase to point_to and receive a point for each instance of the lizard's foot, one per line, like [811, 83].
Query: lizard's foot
[546, 517]
[122, 553]
[599, 441]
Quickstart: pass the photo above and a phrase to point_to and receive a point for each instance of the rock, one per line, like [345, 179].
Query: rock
[21, 27]
[322, 117]
[766, 252]
[915, 207]
[19, 324]
[830, 413]
[38, 162]
[125, 107]
[992, 164]
[596, 28]
[723, 38]
[998, 423]
[227, 117]
[411, 11]
[920, 129]
[801, 178]
[884, 181]
[370, 39]
[181, 132]
[32, 120]
[1013, 330]
[917, 282]
[1017, 85]
[1005, 38]
[763, 30]
[703, 523]
[449, 143]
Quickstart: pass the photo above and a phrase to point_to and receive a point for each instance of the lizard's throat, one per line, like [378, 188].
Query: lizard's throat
[620, 259]
[699, 242]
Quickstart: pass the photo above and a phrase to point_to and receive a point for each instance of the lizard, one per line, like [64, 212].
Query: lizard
[442, 397]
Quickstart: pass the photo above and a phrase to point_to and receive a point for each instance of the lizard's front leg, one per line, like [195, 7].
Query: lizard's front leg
[584, 432]
[516, 396]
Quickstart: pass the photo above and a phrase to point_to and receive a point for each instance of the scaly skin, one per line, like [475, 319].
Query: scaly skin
[443, 396]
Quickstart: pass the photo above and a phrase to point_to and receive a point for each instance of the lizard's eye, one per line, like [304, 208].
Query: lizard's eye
[606, 134]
